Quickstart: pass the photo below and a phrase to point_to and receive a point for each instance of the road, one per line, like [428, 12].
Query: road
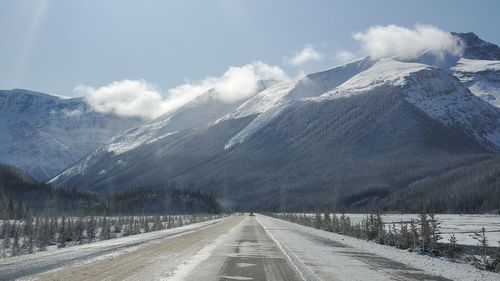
[236, 248]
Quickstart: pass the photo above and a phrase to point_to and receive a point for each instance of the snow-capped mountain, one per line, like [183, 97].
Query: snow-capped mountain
[347, 131]
[206, 108]
[44, 134]
[479, 67]
[476, 48]
[435, 92]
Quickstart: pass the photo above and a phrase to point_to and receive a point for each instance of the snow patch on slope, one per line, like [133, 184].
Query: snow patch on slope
[470, 65]
[384, 72]
[435, 91]
[270, 103]
[482, 77]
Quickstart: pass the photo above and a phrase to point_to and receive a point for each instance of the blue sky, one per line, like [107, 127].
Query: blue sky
[54, 46]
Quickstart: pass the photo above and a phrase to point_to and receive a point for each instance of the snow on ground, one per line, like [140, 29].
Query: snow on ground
[383, 73]
[470, 65]
[191, 264]
[108, 248]
[314, 248]
[482, 77]
[462, 226]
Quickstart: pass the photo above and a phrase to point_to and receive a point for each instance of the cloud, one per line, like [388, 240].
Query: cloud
[125, 98]
[241, 82]
[305, 55]
[393, 40]
[142, 99]
[345, 56]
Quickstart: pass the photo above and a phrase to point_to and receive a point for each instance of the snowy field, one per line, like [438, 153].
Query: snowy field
[463, 226]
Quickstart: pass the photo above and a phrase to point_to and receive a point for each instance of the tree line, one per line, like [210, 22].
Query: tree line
[422, 235]
[21, 197]
[35, 234]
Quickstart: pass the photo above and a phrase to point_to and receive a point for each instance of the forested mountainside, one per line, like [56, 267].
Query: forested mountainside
[22, 196]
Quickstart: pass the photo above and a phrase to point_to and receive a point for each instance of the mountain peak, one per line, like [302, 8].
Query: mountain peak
[477, 48]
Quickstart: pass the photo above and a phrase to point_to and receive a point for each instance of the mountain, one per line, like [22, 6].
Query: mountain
[388, 125]
[477, 48]
[482, 77]
[364, 135]
[44, 134]
[208, 109]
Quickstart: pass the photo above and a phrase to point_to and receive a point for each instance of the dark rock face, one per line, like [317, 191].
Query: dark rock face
[476, 48]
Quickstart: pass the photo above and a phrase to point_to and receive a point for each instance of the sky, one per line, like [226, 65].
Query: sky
[165, 48]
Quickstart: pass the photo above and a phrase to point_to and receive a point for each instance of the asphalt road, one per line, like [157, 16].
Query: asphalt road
[235, 248]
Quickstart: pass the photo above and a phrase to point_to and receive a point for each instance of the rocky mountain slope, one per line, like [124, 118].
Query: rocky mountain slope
[44, 134]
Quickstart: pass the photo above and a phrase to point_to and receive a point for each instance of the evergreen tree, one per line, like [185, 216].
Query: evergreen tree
[61, 239]
[15, 244]
[482, 243]
[105, 230]
[317, 220]
[6, 235]
[425, 233]
[380, 229]
[415, 237]
[435, 234]
[495, 261]
[29, 240]
[79, 227]
[327, 222]
[405, 236]
[452, 248]
[91, 229]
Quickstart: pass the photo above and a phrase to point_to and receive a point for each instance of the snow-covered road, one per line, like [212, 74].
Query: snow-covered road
[236, 248]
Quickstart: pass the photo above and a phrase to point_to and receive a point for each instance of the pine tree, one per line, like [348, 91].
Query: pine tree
[380, 228]
[404, 236]
[105, 230]
[146, 225]
[79, 231]
[29, 240]
[6, 235]
[15, 244]
[425, 233]
[414, 234]
[435, 234]
[4, 248]
[61, 239]
[452, 248]
[317, 220]
[327, 222]
[482, 243]
[91, 229]
[495, 261]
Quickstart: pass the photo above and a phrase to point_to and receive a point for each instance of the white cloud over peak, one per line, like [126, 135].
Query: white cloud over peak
[305, 55]
[142, 99]
[241, 82]
[345, 56]
[405, 43]
[124, 98]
